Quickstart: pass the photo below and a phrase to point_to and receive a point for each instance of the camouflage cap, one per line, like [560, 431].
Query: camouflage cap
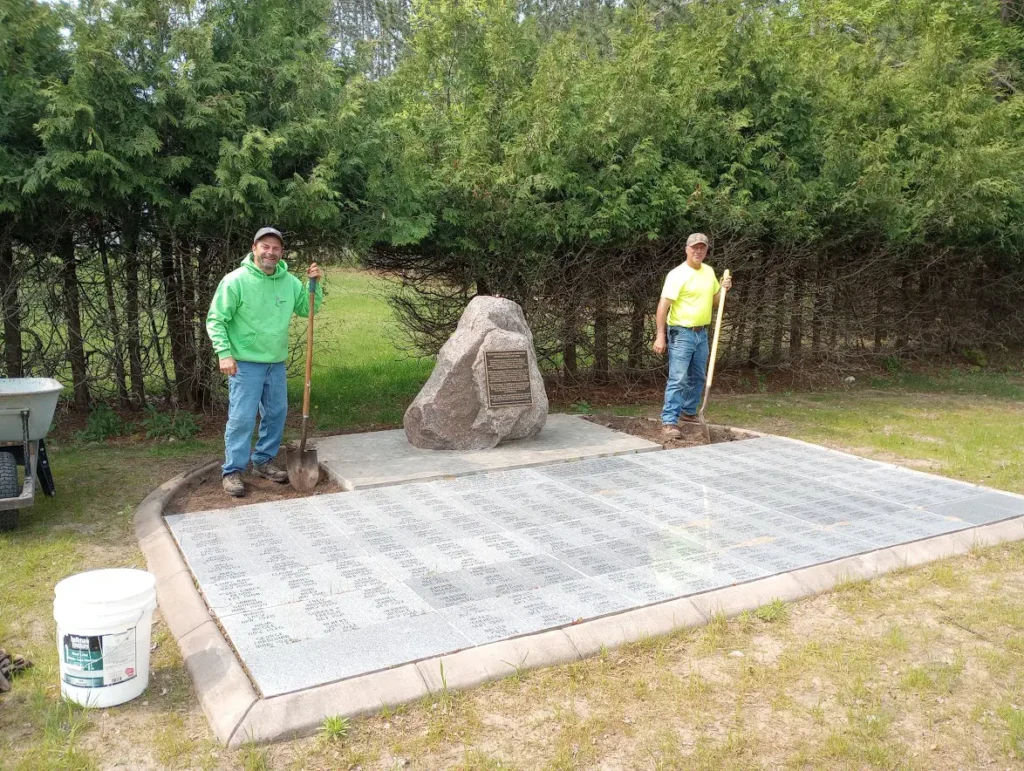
[697, 238]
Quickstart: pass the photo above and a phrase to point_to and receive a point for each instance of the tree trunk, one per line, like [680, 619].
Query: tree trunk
[906, 309]
[113, 322]
[10, 309]
[796, 315]
[73, 318]
[740, 329]
[756, 320]
[778, 317]
[602, 363]
[832, 320]
[175, 324]
[817, 309]
[131, 309]
[199, 394]
[206, 364]
[1007, 11]
[637, 336]
[879, 321]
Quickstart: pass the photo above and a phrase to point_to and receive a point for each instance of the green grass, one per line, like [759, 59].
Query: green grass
[89, 524]
[334, 728]
[982, 382]
[976, 437]
[360, 377]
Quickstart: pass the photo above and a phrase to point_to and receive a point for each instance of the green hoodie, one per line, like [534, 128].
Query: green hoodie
[250, 311]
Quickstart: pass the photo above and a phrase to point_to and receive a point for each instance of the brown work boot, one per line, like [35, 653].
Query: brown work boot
[670, 432]
[232, 484]
[684, 418]
[269, 471]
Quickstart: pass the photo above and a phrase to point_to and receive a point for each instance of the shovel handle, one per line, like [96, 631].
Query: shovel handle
[714, 343]
[309, 364]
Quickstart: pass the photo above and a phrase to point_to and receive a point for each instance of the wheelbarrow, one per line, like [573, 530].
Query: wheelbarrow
[27, 405]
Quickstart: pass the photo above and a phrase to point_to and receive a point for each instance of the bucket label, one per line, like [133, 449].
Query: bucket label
[92, 661]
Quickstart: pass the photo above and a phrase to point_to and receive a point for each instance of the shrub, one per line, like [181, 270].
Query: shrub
[104, 423]
[174, 425]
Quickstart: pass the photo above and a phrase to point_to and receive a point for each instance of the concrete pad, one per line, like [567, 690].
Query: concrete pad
[733, 600]
[821, 578]
[162, 557]
[931, 549]
[471, 667]
[183, 609]
[999, 532]
[302, 713]
[590, 637]
[222, 686]
[359, 461]
[525, 568]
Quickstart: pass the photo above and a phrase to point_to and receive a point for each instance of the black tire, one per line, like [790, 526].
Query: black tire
[9, 488]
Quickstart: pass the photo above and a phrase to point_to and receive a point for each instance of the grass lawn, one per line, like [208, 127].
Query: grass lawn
[920, 669]
[360, 377]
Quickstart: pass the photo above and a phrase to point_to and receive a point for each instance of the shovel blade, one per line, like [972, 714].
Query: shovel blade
[303, 468]
[705, 429]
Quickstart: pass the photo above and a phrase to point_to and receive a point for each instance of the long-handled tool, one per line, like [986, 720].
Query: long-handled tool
[303, 465]
[711, 363]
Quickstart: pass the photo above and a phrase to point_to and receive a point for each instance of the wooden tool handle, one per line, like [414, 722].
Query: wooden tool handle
[714, 342]
[309, 364]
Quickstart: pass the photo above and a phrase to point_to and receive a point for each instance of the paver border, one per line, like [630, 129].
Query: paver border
[224, 690]
[239, 715]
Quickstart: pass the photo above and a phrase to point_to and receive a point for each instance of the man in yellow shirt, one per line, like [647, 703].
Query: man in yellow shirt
[684, 315]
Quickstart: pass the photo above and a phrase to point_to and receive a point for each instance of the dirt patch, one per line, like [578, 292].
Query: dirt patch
[206, 493]
[650, 429]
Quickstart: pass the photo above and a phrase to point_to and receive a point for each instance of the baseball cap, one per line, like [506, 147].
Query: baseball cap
[275, 232]
[697, 238]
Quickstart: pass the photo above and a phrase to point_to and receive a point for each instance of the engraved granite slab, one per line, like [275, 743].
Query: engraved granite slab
[343, 584]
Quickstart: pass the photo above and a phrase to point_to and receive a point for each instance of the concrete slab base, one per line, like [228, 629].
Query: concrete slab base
[379, 458]
[723, 529]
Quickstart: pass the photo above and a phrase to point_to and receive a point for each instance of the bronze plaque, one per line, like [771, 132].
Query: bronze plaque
[508, 378]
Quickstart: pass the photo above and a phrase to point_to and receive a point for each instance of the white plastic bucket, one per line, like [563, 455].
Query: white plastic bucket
[104, 623]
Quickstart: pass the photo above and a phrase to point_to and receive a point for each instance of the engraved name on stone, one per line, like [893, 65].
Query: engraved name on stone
[508, 378]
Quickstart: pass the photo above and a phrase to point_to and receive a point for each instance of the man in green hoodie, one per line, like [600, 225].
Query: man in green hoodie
[248, 324]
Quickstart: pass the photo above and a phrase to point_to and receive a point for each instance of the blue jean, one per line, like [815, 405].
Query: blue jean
[687, 369]
[255, 388]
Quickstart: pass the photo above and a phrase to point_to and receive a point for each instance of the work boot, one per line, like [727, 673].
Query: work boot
[232, 484]
[269, 471]
[670, 432]
[684, 418]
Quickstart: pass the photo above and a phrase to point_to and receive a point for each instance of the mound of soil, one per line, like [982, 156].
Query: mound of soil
[650, 429]
[206, 493]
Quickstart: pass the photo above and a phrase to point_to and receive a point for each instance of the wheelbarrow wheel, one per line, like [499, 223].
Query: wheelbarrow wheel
[8, 489]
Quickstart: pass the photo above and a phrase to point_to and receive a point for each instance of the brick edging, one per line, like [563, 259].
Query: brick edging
[223, 688]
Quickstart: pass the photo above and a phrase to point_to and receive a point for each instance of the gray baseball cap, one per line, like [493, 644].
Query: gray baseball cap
[272, 232]
[697, 238]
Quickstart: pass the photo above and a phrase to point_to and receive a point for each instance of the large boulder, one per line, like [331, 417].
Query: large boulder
[486, 372]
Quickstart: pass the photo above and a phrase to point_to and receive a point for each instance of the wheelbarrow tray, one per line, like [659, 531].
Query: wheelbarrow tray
[34, 398]
[38, 395]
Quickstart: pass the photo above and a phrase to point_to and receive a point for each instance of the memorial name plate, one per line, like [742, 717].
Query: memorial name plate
[508, 378]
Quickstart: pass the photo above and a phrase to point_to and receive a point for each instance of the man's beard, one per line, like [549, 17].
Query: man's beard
[268, 263]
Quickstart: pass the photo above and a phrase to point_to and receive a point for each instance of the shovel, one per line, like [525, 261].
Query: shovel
[303, 466]
[711, 364]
